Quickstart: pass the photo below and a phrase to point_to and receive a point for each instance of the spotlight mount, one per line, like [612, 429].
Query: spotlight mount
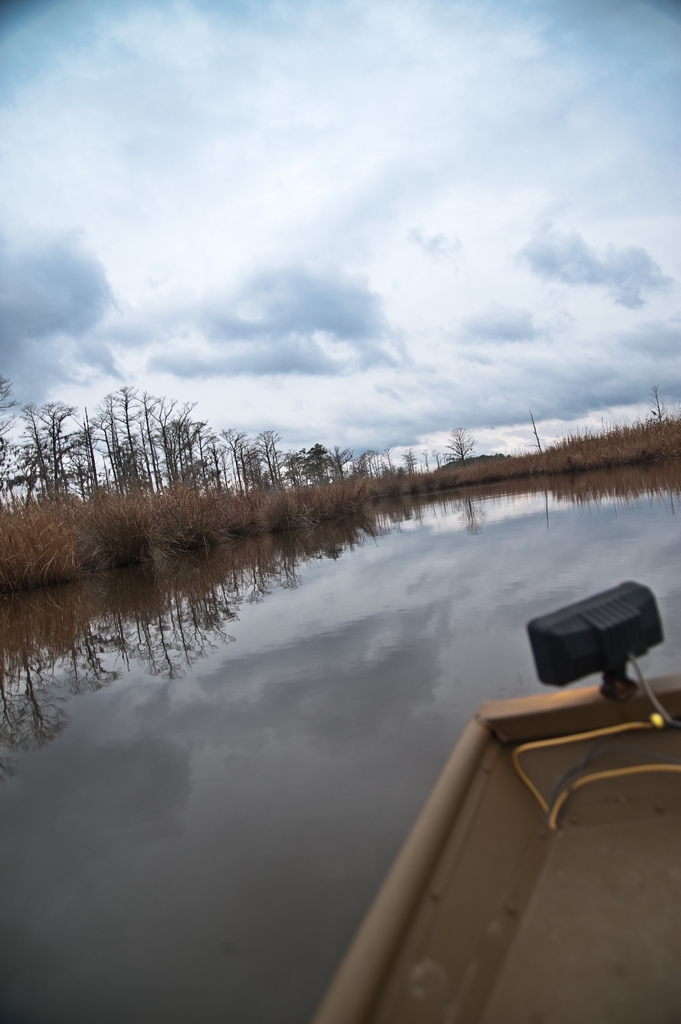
[597, 634]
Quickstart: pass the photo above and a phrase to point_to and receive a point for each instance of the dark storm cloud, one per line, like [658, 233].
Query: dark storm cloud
[283, 322]
[627, 274]
[51, 297]
[501, 323]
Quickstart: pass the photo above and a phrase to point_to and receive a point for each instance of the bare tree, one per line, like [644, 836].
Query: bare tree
[54, 415]
[294, 467]
[6, 422]
[339, 459]
[82, 458]
[6, 403]
[239, 446]
[461, 444]
[47, 446]
[369, 463]
[126, 399]
[89, 443]
[536, 435]
[146, 414]
[409, 459]
[658, 412]
[35, 457]
[266, 442]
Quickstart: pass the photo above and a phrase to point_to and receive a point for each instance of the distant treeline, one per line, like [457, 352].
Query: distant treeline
[141, 481]
[134, 441]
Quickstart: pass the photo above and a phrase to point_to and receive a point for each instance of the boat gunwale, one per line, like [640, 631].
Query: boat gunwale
[542, 715]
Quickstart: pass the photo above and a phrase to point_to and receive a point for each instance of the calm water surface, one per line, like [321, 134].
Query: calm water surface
[207, 771]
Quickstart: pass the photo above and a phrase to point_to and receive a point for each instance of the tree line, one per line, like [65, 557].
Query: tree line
[134, 440]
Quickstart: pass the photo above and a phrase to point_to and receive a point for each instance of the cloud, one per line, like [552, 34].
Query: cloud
[502, 323]
[52, 296]
[285, 321]
[627, 274]
[658, 339]
[437, 246]
[564, 375]
[214, 140]
[256, 358]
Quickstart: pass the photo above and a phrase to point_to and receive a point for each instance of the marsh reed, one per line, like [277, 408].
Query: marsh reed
[614, 445]
[60, 539]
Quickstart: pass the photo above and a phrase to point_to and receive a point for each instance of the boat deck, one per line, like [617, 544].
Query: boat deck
[490, 915]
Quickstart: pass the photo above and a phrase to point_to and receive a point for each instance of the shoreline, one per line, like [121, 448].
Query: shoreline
[615, 445]
[63, 539]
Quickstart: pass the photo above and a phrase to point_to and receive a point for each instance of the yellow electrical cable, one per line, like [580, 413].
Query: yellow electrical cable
[574, 738]
[611, 774]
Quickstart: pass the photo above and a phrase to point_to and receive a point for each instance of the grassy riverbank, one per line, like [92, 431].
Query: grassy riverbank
[614, 445]
[63, 539]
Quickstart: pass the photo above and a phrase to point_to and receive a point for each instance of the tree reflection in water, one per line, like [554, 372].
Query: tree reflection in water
[61, 641]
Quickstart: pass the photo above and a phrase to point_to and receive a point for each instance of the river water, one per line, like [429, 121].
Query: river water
[208, 767]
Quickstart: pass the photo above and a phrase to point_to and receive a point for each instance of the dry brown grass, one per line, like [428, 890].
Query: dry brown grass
[62, 539]
[38, 545]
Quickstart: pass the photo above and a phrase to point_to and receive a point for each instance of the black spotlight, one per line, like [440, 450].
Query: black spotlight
[597, 635]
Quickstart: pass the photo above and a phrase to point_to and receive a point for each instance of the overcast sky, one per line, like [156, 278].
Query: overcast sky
[354, 222]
